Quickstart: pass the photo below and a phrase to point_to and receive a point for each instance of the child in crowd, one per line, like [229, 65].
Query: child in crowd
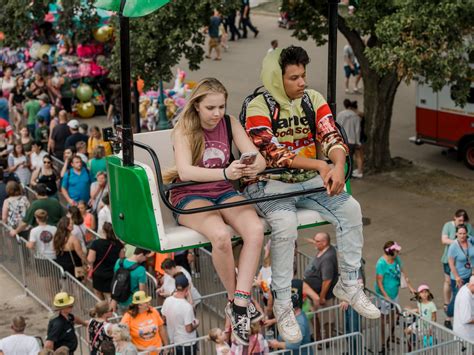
[218, 336]
[258, 345]
[426, 308]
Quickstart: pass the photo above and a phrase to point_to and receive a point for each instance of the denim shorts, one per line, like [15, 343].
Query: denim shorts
[446, 269]
[214, 200]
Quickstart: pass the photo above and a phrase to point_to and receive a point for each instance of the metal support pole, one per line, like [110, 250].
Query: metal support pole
[162, 118]
[332, 54]
[127, 134]
[136, 97]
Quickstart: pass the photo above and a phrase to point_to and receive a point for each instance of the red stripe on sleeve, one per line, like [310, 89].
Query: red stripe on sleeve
[257, 121]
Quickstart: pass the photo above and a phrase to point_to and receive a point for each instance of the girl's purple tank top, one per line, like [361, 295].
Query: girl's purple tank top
[216, 156]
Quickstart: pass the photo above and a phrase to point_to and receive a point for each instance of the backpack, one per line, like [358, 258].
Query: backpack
[122, 282]
[274, 109]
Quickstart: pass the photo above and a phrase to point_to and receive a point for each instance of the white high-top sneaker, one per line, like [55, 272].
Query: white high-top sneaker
[355, 296]
[288, 327]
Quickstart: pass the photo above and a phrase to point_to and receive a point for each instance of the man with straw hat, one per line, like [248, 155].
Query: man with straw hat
[61, 327]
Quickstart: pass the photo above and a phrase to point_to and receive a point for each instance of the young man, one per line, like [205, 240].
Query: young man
[75, 136]
[41, 237]
[293, 146]
[351, 67]
[137, 276]
[171, 269]
[179, 317]
[59, 135]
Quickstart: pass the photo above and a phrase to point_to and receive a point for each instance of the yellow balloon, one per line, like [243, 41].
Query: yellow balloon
[85, 109]
[43, 49]
[103, 34]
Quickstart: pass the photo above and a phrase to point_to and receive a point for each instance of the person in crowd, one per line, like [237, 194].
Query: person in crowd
[351, 67]
[7, 130]
[448, 236]
[102, 257]
[18, 343]
[182, 257]
[96, 140]
[219, 338]
[37, 86]
[61, 327]
[202, 153]
[45, 108]
[7, 82]
[104, 214]
[66, 89]
[81, 151]
[122, 340]
[51, 205]
[25, 140]
[79, 229]
[426, 309]
[41, 237]
[302, 322]
[107, 348]
[98, 327]
[30, 111]
[16, 99]
[43, 66]
[146, 326]
[54, 113]
[463, 324]
[3, 188]
[97, 163]
[214, 39]
[69, 254]
[59, 134]
[42, 133]
[350, 122]
[89, 218]
[322, 275]
[137, 276]
[461, 262]
[68, 154]
[389, 273]
[4, 149]
[230, 22]
[284, 76]
[245, 18]
[46, 174]
[171, 270]
[178, 315]
[4, 109]
[75, 135]
[37, 155]
[18, 164]
[14, 206]
[258, 345]
[273, 45]
[76, 182]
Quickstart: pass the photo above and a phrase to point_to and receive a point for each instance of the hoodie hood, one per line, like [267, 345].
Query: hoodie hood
[272, 78]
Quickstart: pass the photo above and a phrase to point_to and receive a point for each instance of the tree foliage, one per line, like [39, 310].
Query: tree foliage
[396, 40]
[159, 40]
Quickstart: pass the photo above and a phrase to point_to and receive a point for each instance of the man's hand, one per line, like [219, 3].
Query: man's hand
[322, 301]
[334, 180]
[13, 233]
[273, 343]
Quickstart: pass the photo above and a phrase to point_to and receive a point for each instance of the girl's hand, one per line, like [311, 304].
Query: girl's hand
[235, 170]
[250, 170]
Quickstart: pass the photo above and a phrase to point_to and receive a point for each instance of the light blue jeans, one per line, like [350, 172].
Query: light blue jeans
[342, 211]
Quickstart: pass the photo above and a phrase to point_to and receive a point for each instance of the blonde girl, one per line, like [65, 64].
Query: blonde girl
[218, 337]
[202, 154]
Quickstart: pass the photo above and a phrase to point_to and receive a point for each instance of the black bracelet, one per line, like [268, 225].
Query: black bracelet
[225, 176]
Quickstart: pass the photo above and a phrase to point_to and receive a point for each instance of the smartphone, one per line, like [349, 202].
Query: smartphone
[248, 158]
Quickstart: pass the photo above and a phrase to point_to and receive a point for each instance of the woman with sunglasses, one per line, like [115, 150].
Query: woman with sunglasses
[47, 175]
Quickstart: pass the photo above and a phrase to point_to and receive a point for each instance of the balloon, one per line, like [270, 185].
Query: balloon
[85, 109]
[84, 92]
[103, 34]
[44, 49]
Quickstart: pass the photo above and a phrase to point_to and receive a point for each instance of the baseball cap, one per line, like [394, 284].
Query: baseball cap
[43, 97]
[422, 288]
[74, 124]
[181, 281]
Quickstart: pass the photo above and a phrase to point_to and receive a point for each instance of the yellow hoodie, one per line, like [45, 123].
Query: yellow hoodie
[293, 136]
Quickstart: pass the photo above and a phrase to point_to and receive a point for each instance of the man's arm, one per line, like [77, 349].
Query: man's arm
[326, 285]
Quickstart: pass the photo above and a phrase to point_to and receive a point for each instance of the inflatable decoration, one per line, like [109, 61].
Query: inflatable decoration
[103, 34]
[84, 92]
[85, 109]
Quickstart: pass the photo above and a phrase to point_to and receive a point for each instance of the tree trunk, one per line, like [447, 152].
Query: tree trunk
[379, 94]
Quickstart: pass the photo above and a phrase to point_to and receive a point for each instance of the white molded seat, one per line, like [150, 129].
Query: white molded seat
[173, 236]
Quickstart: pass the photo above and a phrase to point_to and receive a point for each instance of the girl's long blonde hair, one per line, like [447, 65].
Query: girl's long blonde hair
[189, 123]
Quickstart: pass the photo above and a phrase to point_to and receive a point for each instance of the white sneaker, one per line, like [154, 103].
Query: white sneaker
[357, 174]
[356, 90]
[355, 296]
[288, 327]
[347, 91]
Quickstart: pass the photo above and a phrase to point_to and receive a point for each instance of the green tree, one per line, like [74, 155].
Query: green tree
[394, 41]
[159, 40]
